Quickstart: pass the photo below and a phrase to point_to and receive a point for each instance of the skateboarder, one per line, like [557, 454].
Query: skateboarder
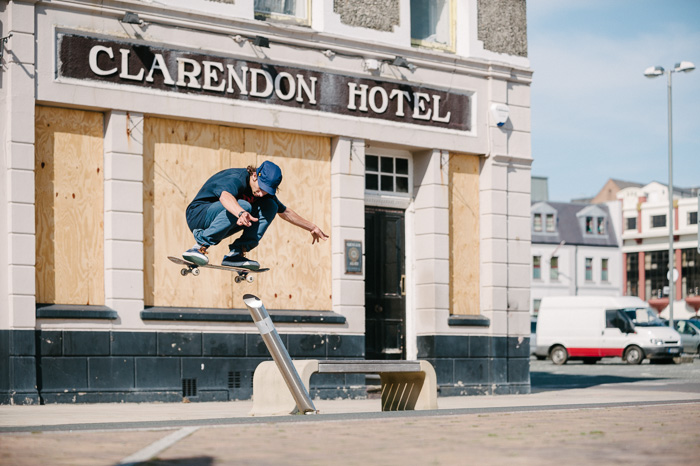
[238, 199]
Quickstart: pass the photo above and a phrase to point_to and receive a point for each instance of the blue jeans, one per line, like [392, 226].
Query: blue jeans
[219, 224]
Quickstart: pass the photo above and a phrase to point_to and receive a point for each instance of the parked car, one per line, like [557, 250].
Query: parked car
[690, 334]
[593, 327]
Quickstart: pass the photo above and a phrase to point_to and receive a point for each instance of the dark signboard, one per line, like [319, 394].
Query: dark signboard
[125, 63]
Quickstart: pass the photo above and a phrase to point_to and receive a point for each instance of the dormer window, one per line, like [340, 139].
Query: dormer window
[589, 225]
[537, 222]
[601, 225]
[550, 223]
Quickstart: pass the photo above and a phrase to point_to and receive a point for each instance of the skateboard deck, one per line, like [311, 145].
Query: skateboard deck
[192, 268]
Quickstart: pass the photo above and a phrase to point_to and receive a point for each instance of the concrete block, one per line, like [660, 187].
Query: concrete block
[22, 311]
[123, 255]
[519, 180]
[519, 275]
[519, 252]
[520, 145]
[493, 202]
[348, 292]
[123, 167]
[21, 156]
[432, 271]
[493, 297]
[494, 275]
[349, 212]
[348, 187]
[22, 249]
[21, 218]
[21, 18]
[519, 204]
[123, 226]
[20, 48]
[123, 284]
[432, 296]
[519, 94]
[347, 157]
[21, 186]
[123, 196]
[498, 91]
[519, 300]
[22, 280]
[431, 247]
[127, 309]
[432, 221]
[519, 228]
[432, 196]
[494, 250]
[519, 118]
[493, 226]
[493, 176]
[499, 140]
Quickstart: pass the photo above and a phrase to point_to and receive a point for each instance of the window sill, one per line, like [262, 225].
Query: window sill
[468, 321]
[72, 311]
[239, 315]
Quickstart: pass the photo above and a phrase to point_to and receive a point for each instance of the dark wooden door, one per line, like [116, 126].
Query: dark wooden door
[385, 300]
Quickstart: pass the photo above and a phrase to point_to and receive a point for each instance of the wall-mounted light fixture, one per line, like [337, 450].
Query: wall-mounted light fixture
[3, 41]
[371, 64]
[238, 38]
[403, 63]
[328, 53]
[261, 41]
[131, 18]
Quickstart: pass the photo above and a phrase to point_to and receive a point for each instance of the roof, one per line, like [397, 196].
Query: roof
[569, 227]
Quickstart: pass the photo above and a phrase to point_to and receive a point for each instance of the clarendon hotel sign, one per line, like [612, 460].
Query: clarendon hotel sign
[124, 63]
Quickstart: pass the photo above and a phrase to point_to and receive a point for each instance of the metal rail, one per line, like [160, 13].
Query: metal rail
[279, 354]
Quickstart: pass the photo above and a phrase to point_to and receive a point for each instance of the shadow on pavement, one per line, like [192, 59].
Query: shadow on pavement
[195, 461]
[544, 381]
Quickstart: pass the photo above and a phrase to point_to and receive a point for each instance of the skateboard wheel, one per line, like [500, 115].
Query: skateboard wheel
[195, 272]
[237, 279]
[184, 272]
[249, 278]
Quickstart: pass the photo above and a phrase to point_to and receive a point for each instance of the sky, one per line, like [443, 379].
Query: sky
[594, 114]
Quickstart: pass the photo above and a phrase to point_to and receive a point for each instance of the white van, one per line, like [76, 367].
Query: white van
[595, 327]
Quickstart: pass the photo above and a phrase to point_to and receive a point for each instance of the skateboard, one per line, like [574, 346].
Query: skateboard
[192, 268]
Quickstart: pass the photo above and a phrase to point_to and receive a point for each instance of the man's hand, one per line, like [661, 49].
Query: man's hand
[318, 235]
[246, 219]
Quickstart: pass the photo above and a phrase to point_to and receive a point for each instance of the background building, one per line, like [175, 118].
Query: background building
[645, 247]
[575, 251]
[402, 128]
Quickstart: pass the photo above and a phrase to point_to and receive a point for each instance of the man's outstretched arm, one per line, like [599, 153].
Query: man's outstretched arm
[296, 219]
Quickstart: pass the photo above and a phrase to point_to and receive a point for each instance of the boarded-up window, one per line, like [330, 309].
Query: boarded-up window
[178, 158]
[69, 207]
[464, 234]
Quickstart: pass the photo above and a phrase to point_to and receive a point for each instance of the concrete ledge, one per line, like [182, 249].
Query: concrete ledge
[406, 385]
[240, 315]
[468, 321]
[69, 311]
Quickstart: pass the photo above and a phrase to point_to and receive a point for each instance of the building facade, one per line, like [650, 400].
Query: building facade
[575, 251]
[402, 130]
[645, 247]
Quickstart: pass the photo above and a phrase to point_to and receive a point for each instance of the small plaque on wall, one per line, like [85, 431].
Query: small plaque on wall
[353, 257]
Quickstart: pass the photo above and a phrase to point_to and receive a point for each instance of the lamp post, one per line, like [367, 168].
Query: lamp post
[652, 72]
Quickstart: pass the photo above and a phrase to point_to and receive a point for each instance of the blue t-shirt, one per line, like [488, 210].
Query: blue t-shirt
[232, 180]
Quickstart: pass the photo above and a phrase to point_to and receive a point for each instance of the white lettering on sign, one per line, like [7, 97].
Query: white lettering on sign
[219, 76]
[93, 60]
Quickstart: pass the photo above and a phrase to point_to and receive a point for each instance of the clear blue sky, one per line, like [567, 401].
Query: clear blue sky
[595, 115]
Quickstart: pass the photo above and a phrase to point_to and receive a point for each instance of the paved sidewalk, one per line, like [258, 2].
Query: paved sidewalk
[642, 422]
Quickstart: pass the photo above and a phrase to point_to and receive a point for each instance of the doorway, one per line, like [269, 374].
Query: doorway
[385, 280]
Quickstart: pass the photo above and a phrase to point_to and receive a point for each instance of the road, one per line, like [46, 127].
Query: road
[608, 413]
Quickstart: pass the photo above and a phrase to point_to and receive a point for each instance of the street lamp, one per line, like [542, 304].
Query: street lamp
[652, 72]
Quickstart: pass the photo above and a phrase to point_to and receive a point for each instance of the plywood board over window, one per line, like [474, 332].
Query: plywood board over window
[178, 158]
[69, 206]
[301, 272]
[464, 234]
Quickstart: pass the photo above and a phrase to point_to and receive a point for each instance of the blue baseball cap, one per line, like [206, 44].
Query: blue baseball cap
[269, 177]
